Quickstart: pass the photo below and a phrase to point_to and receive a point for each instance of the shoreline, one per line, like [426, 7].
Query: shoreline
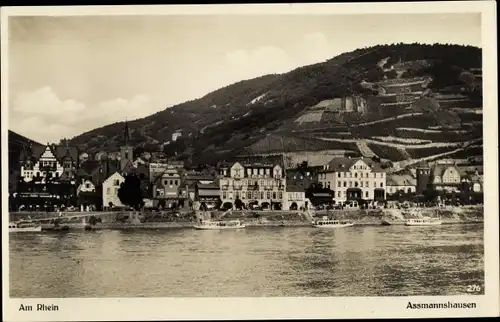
[250, 225]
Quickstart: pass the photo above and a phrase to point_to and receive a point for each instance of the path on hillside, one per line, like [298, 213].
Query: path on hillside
[402, 164]
[397, 145]
[388, 119]
[365, 149]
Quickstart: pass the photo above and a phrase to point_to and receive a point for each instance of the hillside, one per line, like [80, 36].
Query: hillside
[398, 102]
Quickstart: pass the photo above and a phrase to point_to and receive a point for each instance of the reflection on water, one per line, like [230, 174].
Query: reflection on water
[354, 261]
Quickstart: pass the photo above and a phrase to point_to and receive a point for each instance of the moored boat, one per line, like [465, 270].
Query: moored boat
[425, 221]
[218, 224]
[18, 227]
[332, 223]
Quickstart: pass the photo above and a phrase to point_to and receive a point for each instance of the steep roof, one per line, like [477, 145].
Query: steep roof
[345, 163]
[401, 180]
[439, 169]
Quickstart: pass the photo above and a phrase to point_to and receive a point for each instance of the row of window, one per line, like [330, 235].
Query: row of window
[264, 183]
[354, 175]
[30, 174]
[353, 184]
[170, 182]
[254, 194]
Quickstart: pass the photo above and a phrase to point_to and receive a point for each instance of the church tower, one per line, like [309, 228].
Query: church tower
[126, 150]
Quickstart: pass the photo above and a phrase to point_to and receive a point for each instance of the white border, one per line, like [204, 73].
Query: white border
[277, 308]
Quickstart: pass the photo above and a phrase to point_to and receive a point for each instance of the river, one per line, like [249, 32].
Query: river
[353, 261]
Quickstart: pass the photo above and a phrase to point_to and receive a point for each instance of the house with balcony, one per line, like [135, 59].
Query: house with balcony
[261, 184]
[165, 187]
[354, 179]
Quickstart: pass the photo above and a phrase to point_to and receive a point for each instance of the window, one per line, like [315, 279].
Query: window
[328, 185]
[237, 195]
[87, 185]
[269, 195]
[339, 184]
[171, 182]
[224, 195]
[366, 183]
[338, 193]
[355, 174]
[350, 184]
[381, 185]
[345, 184]
[274, 195]
[249, 194]
[280, 195]
[361, 184]
[339, 175]
[366, 194]
[176, 182]
[356, 184]
[262, 195]
[108, 191]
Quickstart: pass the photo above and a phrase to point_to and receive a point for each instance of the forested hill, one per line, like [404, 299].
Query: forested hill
[353, 89]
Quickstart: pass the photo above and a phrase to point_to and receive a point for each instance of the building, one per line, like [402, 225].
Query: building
[295, 198]
[445, 177]
[166, 185]
[207, 194]
[253, 183]
[401, 183]
[353, 178]
[110, 188]
[87, 195]
[46, 176]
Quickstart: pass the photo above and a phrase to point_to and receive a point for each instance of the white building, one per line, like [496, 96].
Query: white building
[85, 186]
[353, 178]
[257, 183]
[295, 198]
[110, 188]
[46, 166]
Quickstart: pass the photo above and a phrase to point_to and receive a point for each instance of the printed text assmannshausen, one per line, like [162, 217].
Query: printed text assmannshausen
[447, 305]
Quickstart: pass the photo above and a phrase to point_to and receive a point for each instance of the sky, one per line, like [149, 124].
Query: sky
[71, 74]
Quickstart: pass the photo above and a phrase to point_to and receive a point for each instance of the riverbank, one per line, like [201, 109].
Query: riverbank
[462, 215]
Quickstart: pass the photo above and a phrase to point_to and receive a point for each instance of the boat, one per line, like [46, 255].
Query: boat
[424, 221]
[24, 226]
[218, 224]
[332, 223]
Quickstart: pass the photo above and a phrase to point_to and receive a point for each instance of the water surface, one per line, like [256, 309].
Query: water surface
[353, 261]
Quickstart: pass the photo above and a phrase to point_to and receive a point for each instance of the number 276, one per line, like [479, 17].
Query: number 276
[473, 288]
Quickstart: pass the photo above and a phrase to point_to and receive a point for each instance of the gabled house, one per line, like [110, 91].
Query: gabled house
[110, 188]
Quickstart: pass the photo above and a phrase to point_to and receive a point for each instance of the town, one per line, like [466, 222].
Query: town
[62, 178]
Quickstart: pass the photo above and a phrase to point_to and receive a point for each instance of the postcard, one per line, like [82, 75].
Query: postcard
[259, 161]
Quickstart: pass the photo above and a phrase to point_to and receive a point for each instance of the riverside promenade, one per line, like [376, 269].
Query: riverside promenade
[153, 220]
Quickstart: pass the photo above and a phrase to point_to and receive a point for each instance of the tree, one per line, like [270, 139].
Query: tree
[218, 203]
[238, 203]
[130, 192]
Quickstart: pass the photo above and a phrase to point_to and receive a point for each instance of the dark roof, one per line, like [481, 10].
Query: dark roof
[321, 194]
[59, 151]
[208, 193]
[401, 180]
[208, 186]
[439, 169]
[345, 163]
[294, 188]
